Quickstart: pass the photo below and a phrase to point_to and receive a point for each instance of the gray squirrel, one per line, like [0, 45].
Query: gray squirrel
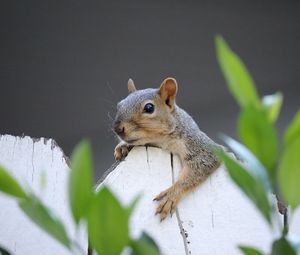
[151, 117]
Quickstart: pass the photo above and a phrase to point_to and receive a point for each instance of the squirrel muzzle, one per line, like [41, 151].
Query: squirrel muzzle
[118, 128]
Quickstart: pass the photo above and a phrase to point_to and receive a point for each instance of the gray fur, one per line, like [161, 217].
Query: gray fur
[132, 103]
[198, 144]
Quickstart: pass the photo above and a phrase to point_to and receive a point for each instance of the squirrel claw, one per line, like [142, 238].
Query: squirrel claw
[121, 151]
[161, 195]
[167, 203]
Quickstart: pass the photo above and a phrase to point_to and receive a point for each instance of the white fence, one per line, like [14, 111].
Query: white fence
[212, 220]
[41, 165]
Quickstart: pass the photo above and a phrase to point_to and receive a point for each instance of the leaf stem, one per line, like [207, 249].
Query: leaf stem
[284, 211]
[285, 223]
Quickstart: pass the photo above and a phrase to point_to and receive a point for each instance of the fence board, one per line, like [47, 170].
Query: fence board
[31, 161]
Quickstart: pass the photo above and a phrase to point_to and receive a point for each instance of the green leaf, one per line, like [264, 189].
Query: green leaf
[289, 167]
[80, 182]
[293, 131]
[236, 75]
[10, 186]
[132, 205]
[282, 247]
[4, 251]
[254, 166]
[252, 187]
[250, 250]
[258, 134]
[145, 245]
[107, 224]
[289, 173]
[44, 218]
[272, 104]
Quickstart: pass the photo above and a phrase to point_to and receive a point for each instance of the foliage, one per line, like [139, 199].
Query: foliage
[267, 168]
[80, 183]
[3, 251]
[144, 243]
[9, 186]
[252, 187]
[238, 79]
[106, 219]
[250, 251]
[41, 215]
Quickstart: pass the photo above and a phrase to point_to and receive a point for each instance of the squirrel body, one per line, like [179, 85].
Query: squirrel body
[151, 117]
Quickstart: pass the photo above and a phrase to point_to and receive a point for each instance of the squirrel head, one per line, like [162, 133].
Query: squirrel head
[146, 116]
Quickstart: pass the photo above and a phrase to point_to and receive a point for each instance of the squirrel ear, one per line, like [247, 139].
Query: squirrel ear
[130, 86]
[167, 91]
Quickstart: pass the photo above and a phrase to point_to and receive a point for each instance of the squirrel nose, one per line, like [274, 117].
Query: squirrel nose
[118, 128]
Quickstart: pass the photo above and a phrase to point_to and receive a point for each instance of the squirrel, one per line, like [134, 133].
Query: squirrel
[152, 117]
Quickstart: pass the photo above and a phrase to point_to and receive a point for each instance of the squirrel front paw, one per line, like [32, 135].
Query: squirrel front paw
[168, 201]
[121, 150]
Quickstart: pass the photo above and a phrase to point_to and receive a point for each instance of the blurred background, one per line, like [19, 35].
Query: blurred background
[65, 64]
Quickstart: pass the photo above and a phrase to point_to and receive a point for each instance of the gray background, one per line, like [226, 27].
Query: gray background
[64, 64]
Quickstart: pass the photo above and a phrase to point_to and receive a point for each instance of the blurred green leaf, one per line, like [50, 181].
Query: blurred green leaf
[289, 173]
[252, 187]
[272, 104]
[293, 130]
[43, 217]
[4, 251]
[80, 182]
[145, 245]
[132, 205]
[282, 247]
[9, 185]
[254, 166]
[236, 75]
[250, 250]
[107, 224]
[258, 134]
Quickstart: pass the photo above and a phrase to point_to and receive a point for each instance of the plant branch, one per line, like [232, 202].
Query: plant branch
[284, 211]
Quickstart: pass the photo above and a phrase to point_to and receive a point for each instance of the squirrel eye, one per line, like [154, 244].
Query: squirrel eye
[149, 108]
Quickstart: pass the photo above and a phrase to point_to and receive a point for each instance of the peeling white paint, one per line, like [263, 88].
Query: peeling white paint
[28, 160]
